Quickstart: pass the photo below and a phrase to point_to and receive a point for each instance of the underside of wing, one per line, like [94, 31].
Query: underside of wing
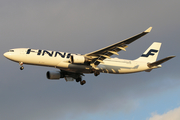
[99, 55]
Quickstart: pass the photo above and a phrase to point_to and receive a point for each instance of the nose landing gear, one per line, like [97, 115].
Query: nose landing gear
[21, 64]
[21, 68]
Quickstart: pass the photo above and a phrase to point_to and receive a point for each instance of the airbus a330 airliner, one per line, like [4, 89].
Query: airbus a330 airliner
[73, 66]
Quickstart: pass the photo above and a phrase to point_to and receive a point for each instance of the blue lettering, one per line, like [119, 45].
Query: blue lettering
[28, 51]
[68, 56]
[39, 52]
[50, 54]
[60, 54]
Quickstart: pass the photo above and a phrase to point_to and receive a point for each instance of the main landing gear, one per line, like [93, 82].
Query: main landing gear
[21, 64]
[82, 82]
[96, 73]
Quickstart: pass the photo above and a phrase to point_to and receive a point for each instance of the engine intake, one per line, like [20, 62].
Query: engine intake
[53, 75]
[78, 59]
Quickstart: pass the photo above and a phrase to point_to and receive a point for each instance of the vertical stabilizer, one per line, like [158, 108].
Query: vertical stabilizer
[150, 55]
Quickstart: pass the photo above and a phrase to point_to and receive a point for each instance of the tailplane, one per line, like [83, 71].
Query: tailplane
[150, 55]
[150, 65]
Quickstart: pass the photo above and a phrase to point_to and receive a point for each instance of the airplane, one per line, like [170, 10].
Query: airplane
[74, 66]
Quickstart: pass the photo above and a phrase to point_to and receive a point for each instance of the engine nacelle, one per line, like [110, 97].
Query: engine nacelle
[54, 75]
[78, 59]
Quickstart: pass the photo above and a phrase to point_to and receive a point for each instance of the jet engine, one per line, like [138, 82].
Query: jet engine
[78, 59]
[54, 75]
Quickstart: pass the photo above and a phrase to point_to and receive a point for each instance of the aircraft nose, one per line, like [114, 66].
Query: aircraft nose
[5, 54]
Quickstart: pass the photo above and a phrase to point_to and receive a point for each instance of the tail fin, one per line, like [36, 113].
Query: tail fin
[150, 55]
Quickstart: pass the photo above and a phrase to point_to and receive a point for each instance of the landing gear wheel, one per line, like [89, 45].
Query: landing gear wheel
[96, 73]
[78, 79]
[21, 68]
[83, 82]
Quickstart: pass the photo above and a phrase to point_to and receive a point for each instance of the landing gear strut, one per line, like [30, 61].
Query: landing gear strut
[21, 64]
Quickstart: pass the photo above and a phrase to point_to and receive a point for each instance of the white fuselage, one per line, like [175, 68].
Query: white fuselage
[61, 60]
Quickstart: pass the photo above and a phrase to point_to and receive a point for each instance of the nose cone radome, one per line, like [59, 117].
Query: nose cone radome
[6, 54]
[11, 56]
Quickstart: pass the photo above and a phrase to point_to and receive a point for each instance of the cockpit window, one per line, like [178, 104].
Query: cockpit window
[11, 50]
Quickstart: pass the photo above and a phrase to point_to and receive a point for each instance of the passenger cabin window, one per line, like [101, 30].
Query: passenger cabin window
[11, 50]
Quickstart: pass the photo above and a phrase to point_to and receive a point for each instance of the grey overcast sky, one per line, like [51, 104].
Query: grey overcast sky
[82, 26]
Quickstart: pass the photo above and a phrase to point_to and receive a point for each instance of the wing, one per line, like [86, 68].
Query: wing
[99, 55]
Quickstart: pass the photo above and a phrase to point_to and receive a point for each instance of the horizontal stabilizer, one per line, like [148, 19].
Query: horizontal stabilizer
[160, 61]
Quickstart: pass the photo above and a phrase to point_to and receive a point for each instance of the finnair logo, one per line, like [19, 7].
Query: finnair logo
[49, 53]
[151, 52]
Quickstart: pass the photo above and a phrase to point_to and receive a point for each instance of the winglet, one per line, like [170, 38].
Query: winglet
[148, 30]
